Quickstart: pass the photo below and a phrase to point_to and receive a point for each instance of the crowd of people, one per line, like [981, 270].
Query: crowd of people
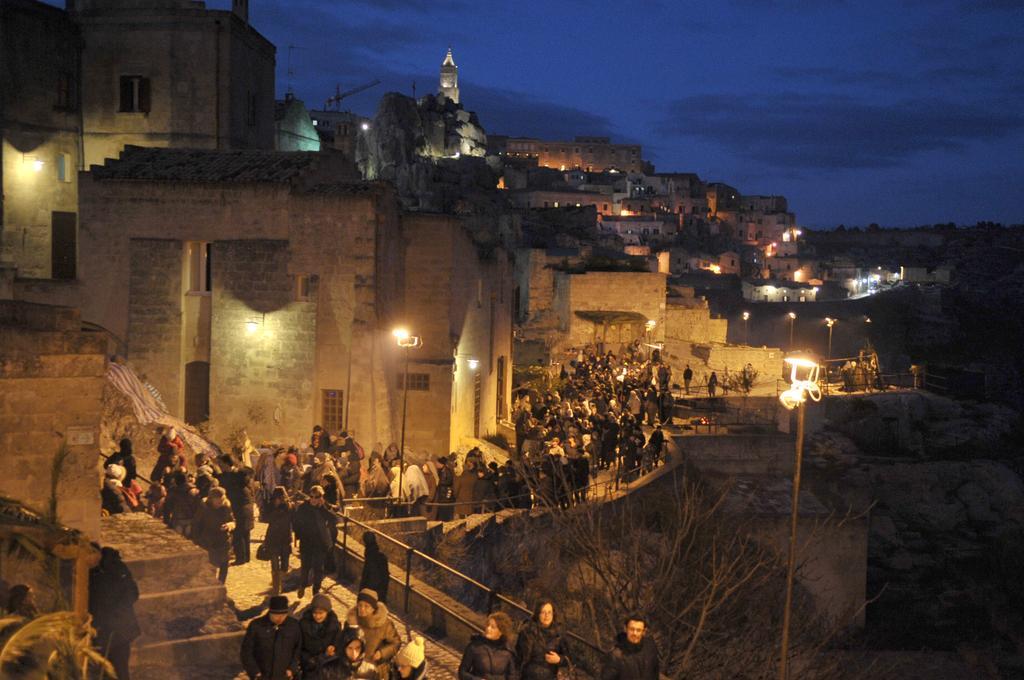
[317, 645]
[589, 420]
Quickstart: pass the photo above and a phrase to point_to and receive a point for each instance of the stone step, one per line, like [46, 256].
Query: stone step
[180, 614]
[164, 573]
[213, 656]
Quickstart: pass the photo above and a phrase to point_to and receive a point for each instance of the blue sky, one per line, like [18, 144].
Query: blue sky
[903, 112]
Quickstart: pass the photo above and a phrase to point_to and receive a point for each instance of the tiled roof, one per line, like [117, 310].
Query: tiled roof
[205, 165]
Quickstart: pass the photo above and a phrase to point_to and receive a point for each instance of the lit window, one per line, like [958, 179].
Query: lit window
[302, 288]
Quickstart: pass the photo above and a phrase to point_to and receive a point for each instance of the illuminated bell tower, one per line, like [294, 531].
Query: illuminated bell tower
[449, 78]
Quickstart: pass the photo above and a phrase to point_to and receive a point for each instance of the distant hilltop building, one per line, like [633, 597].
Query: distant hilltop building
[449, 86]
[592, 154]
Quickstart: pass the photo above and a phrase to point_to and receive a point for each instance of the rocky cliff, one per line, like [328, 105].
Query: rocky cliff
[433, 152]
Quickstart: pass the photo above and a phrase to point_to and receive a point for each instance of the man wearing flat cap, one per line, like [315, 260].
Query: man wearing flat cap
[270, 650]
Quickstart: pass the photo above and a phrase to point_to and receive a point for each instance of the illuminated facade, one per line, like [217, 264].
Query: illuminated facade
[78, 85]
[593, 154]
[449, 85]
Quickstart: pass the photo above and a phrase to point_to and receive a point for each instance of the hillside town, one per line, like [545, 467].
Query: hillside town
[290, 391]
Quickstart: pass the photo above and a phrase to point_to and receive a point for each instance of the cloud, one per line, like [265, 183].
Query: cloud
[826, 131]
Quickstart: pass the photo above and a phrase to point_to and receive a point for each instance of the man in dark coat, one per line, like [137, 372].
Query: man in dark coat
[125, 458]
[314, 525]
[635, 656]
[270, 649]
[112, 596]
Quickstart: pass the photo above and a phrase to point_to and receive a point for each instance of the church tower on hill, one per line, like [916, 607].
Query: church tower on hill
[449, 78]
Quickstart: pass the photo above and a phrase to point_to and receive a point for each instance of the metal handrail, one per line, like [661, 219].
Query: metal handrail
[410, 552]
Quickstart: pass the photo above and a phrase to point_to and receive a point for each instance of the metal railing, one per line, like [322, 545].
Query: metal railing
[493, 597]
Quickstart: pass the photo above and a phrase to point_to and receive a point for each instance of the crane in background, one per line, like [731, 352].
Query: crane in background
[335, 101]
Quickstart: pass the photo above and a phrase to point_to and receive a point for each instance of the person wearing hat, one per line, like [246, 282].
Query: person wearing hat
[320, 631]
[352, 663]
[411, 661]
[272, 644]
[111, 495]
[314, 525]
[212, 527]
[380, 634]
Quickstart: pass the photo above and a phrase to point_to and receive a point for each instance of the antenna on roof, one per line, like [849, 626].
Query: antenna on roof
[290, 72]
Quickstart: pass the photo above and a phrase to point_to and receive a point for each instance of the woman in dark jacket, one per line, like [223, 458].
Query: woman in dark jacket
[375, 568]
[488, 657]
[244, 508]
[278, 538]
[445, 490]
[211, 529]
[320, 633]
[540, 647]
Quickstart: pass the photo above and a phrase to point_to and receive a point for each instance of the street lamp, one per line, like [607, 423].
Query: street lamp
[829, 321]
[406, 341]
[803, 385]
[746, 317]
[792, 319]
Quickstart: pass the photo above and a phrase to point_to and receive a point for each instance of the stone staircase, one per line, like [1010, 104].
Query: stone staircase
[189, 629]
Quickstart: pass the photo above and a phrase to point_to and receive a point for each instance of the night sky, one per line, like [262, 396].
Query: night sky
[903, 112]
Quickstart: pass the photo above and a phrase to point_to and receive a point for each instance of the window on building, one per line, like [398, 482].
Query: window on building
[250, 111]
[63, 245]
[67, 99]
[302, 288]
[418, 382]
[200, 273]
[135, 95]
[64, 169]
[332, 409]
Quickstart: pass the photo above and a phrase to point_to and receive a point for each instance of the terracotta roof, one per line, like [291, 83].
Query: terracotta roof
[205, 165]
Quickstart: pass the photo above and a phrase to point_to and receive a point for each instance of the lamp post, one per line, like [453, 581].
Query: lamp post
[792, 319]
[803, 385]
[746, 318]
[829, 321]
[407, 342]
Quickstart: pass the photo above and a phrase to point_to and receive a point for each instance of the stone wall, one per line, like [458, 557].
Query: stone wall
[51, 384]
[639, 292]
[739, 454]
[724, 360]
[463, 312]
[694, 324]
[263, 342]
[155, 316]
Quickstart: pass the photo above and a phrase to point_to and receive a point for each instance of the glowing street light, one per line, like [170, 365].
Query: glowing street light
[792, 319]
[364, 127]
[746, 317]
[406, 341]
[829, 321]
[803, 385]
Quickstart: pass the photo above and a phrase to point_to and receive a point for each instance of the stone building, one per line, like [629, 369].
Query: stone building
[460, 380]
[593, 154]
[52, 375]
[293, 126]
[78, 85]
[172, 73]
[449, 81]
[252, 288]
[40, 134]
[260, 289]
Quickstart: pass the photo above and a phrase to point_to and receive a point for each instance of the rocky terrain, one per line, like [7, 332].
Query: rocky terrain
[947, 522]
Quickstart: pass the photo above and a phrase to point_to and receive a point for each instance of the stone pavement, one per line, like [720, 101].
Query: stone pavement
[249, 587]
